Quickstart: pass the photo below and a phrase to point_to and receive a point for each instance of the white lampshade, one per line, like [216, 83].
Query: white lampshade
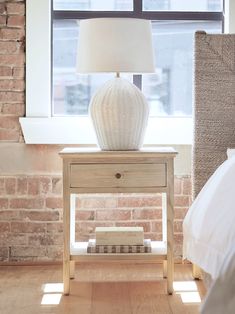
[115, 45]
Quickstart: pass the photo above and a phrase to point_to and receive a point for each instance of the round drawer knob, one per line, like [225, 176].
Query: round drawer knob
[118, 175]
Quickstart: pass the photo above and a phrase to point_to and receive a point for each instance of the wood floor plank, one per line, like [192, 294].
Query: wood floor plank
[149, 297]
[110, 298]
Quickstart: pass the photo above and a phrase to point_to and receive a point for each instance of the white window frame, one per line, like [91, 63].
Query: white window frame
[40, 127]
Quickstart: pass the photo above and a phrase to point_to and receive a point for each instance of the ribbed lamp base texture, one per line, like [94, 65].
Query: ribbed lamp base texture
[119, 112]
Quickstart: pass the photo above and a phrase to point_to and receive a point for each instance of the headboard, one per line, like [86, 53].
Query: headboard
[214, 104]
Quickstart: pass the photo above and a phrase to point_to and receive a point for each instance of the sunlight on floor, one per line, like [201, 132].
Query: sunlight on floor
[51, 299]
[52, 287]
[188, 291]
[52, 293]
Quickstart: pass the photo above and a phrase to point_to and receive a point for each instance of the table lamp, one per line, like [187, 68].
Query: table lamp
[119, 110]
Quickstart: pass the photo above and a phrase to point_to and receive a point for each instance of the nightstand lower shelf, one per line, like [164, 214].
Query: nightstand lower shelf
[78, 252]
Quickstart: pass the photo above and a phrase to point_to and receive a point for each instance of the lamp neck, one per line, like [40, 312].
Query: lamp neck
[117, 74]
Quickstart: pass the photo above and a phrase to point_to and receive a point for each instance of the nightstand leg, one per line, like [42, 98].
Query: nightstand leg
[66, 277]
[66, 220]
[72, 269]
[165, 269]
[170, 228]
[196, 272]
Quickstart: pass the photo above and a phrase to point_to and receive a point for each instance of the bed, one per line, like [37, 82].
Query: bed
[209, 226]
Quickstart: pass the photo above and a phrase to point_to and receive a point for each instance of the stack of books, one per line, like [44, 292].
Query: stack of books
[119, 240]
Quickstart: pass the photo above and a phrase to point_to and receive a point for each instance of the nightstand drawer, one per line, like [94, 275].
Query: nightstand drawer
[117, 175]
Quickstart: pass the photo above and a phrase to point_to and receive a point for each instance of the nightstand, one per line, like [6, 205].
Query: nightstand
[149, 170]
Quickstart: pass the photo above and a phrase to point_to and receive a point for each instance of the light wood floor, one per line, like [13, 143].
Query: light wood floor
[103, 288]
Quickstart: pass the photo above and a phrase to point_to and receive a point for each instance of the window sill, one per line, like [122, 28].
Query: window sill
[79, 130]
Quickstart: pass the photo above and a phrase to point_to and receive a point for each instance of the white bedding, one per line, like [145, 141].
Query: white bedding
[209, 226]
[221, 295]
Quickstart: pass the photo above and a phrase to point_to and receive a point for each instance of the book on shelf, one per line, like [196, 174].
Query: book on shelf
[92, 247]
[119, 235]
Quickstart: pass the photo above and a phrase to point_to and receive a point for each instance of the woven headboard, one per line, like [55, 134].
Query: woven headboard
[214, 104]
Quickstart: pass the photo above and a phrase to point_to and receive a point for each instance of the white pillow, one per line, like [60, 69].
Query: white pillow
[230, 152]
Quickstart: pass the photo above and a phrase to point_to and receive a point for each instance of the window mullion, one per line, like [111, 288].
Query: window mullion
[137, 6]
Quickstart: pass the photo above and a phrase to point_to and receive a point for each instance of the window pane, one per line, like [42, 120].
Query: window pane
[71, 91]
[169, 90]
[94, 5]
[182, 5]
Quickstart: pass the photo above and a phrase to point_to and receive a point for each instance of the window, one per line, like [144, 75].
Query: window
[169, 90]
[57, 97]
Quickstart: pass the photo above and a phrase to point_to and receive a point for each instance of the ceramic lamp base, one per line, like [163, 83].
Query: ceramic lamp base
[119, 112]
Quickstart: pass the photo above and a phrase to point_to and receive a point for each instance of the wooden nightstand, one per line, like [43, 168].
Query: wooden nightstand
[149, 170]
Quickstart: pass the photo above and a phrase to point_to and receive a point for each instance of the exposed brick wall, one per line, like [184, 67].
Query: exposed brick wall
[31, 205]
[12, 69]
[31, 216]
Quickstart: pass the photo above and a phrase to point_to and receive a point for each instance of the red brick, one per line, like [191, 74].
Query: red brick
[178, 186]
[10, 47]
[153, 236]
[28, 251]
[12, 34]
[156, 226]
[113, 214]
[187, 187]
[3, 203]
[13, 239]
[152, 201]
[4, 227]
[39, 215]
[144, 224]
[92, 203]
[12, 85]
[181, 201]
[2, 186]
[4, 254]
[3, 8]
[55, 227]
[33, 186]
[9, 122]
[45, 185]
[180, 212]
[10, 185]
[85, 215]
[81, 237]
[178, 238]
[57, 185]
[18, 72]
[5, 71]
[54, 202]
[13, 109]
[54, 253]
[27, 203]
[9, 135]
[16, 21]
[27, 227]
[177, 251]
[12, 96]
[178, 226]
[46, 239]
[147, 214]
[88, 228]
[96, 202]
[16, 8]
[3, 20]
[12, 60]
[78, 202]
[8, 215]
